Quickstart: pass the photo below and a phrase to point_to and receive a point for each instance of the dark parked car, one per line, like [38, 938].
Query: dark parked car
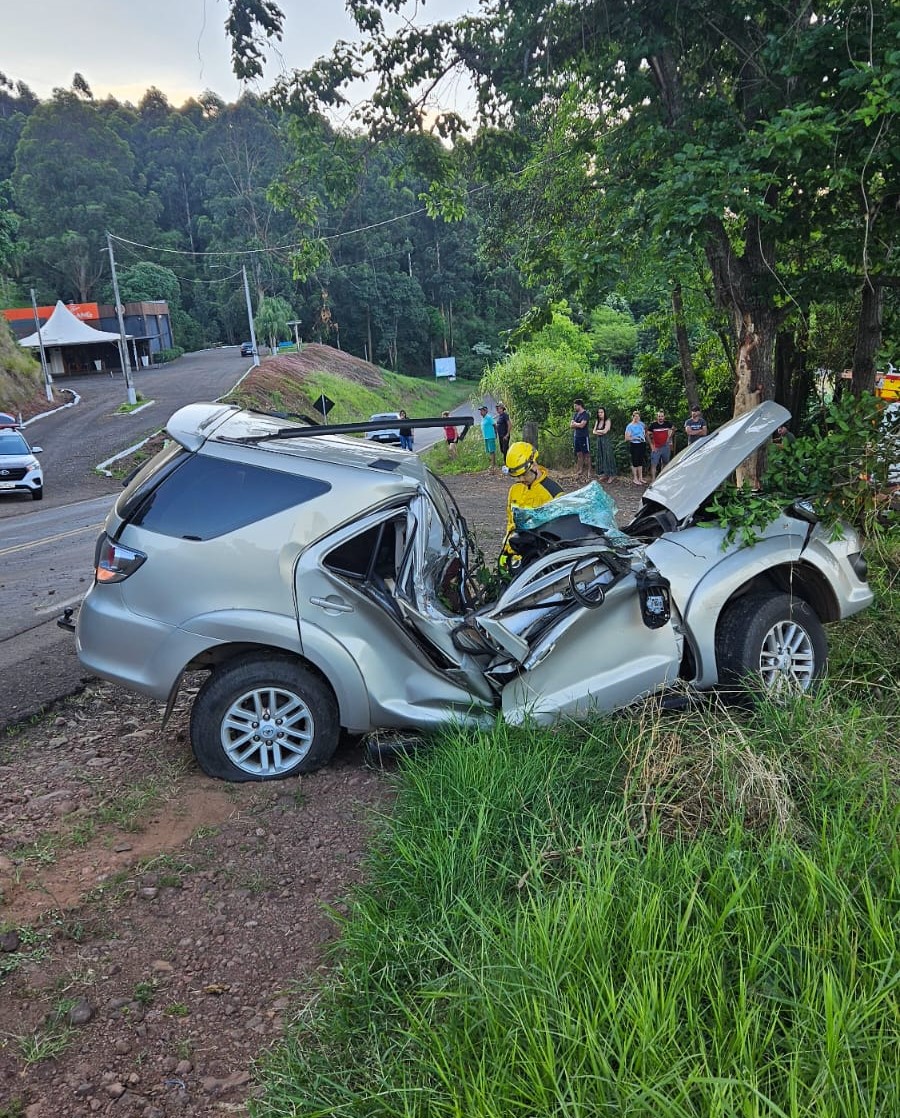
[246, 349]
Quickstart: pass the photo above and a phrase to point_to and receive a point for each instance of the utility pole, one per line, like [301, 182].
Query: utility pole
[45, 368]
[250, 316]
[123, 343]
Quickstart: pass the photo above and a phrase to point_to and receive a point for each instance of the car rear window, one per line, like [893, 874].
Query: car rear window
[206, 497]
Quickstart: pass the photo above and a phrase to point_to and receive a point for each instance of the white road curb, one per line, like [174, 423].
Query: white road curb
[76, 399]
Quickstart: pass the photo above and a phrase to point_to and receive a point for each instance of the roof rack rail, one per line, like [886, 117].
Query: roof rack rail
[316, 429]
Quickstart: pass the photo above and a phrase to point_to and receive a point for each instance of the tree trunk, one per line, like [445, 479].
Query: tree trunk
[688, 372]
[793, 379]
[868, 339]
[741, 285]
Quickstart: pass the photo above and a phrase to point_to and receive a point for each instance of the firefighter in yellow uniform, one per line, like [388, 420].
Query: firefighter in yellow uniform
[533, 487]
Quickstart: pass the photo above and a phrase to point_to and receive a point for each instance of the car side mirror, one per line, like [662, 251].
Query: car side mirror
[37, 450]
[803, 510]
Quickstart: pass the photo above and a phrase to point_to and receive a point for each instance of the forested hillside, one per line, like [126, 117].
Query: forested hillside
[715, 188]
[192, 193]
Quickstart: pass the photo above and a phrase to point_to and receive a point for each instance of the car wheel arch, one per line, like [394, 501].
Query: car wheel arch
[757, 631]
[800, 580]
[219, 655]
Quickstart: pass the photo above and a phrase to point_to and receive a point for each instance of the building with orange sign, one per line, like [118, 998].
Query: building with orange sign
[148, 328]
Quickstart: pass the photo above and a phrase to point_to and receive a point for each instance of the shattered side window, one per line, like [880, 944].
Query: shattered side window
[373, 554]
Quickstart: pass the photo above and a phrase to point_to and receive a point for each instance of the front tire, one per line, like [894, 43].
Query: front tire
[772, 644]
[37, 494]
[263, 718]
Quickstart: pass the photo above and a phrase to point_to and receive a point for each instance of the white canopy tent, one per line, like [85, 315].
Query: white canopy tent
[61, 329]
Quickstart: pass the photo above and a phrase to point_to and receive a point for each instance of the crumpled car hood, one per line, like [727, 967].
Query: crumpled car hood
[699, 469]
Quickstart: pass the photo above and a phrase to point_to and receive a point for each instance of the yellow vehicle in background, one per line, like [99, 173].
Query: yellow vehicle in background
[887, 385]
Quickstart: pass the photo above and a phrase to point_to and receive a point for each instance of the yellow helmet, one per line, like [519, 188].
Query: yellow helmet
[519, 458]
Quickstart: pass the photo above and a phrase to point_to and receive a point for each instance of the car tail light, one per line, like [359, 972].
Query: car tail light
[113, 562]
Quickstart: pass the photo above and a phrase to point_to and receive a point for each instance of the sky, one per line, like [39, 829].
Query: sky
[122, 47]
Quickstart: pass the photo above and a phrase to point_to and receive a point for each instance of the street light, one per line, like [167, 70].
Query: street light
[45, 368]
[123, 344]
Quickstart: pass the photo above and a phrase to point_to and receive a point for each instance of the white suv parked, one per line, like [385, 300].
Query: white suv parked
[20, 471]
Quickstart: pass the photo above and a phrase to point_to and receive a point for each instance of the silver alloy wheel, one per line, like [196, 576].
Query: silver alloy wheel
[267, 731]
[787, 659]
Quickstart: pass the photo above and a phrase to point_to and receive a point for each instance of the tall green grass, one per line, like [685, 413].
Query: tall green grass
[864, 650]
[656, 915]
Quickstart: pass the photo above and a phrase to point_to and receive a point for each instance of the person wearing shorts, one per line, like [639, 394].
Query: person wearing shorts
[450, 435]
[581, 440]
[489, 434]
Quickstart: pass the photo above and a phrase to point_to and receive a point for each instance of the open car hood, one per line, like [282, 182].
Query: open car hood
[700, 468]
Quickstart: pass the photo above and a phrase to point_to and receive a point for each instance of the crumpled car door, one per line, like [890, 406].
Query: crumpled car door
[349, 609]
[427, 592]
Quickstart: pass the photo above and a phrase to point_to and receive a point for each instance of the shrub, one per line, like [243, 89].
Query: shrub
[162, 356]
[841, 464]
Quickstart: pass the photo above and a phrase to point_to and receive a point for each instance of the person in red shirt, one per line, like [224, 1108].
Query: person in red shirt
[662, 434]
[450, 434]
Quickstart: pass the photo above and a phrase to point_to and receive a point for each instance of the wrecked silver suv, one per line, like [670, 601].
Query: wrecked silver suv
[327, 583]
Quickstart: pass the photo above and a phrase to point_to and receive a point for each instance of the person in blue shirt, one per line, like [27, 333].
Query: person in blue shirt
[489, 434]
[636, 437]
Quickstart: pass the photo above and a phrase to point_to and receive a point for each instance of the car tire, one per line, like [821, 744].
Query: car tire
[263, 718]
[37, 494]
[770, 644]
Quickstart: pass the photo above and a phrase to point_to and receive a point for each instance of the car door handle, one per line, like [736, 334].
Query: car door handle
[332, 604]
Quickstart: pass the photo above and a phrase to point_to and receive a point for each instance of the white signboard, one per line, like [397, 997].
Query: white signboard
[445, 367]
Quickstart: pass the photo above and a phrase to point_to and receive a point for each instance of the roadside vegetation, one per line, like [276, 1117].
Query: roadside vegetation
[277, 387]
[20, 374]
[654, 914]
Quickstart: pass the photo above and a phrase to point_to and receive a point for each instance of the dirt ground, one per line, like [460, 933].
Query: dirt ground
[159, 928]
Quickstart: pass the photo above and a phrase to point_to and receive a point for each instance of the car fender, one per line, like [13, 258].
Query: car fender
[272, 630]
[832, 558]
[703, 577]
[342, 672]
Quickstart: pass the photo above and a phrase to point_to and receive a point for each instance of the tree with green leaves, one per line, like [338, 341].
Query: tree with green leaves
[17, 102]
[272, 318]
[755, 134]
[146, 282]
[74, 181]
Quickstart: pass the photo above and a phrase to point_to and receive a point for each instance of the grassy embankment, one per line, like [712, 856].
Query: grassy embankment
[353, 401]
[20, 374]
[655, 914]
[292, 394]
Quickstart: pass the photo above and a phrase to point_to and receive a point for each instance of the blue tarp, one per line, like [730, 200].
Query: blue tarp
[591, 504]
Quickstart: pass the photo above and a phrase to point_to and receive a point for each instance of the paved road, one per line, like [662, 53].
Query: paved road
[46, 547]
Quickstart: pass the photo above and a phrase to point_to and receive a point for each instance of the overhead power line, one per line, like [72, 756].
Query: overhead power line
[291, 247]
